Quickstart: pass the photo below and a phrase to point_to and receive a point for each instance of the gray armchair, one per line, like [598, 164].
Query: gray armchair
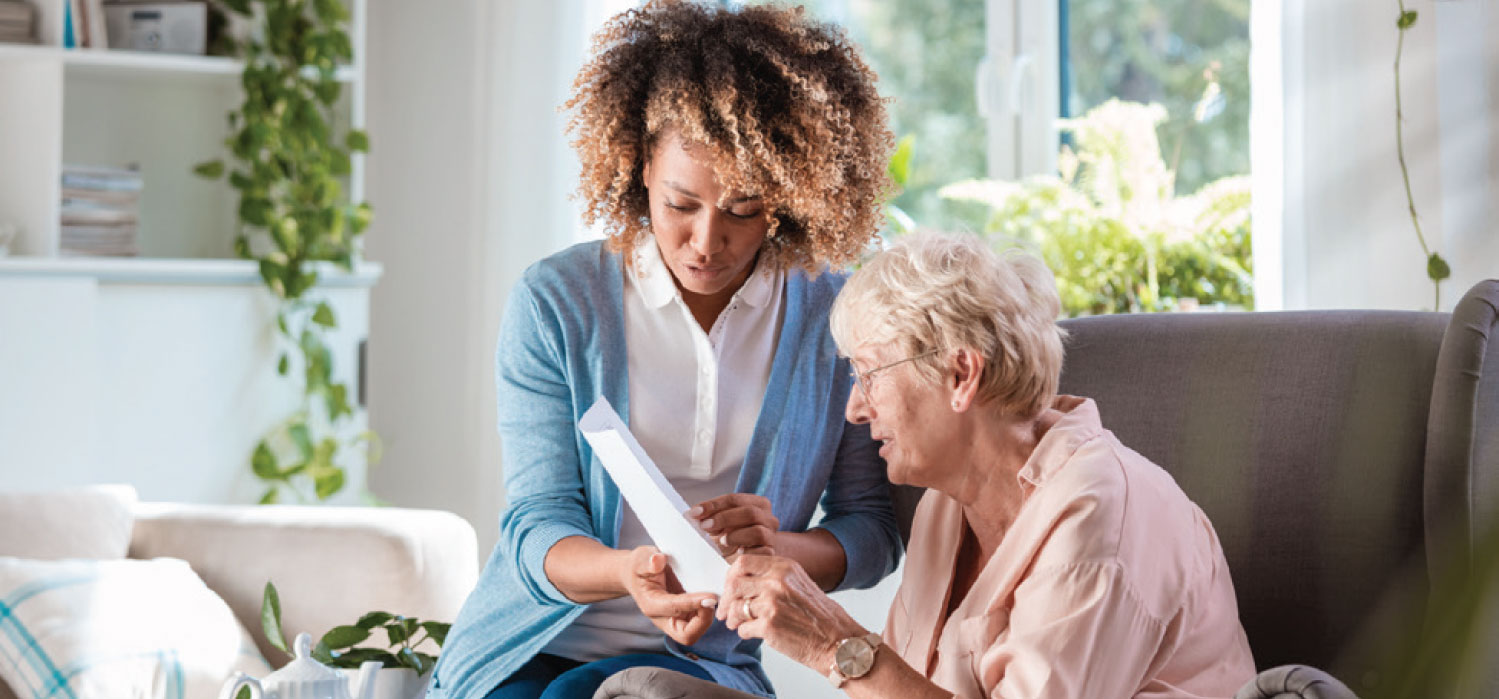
[1347, 459]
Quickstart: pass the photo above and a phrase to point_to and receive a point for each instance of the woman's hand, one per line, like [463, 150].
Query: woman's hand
[649, 581]
[773, 598]
[739, 523]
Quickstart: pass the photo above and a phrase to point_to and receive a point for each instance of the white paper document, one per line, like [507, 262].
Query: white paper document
[658, 505]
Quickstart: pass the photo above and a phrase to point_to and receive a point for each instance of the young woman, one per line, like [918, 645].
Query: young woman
[734, 156]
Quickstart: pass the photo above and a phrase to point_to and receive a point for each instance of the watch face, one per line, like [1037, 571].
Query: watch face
[854, 657]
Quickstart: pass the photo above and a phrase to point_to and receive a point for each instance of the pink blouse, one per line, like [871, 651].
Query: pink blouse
[1110, 583]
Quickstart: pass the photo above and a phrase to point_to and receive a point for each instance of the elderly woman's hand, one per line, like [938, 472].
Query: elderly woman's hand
[739, 523]
[773, 598]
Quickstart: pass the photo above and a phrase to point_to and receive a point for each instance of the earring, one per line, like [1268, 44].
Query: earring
[955, 405]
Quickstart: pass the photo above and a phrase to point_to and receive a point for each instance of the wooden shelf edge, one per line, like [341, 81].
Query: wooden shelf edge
[140, 270]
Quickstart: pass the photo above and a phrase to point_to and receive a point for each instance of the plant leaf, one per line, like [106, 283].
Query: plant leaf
[359, 219]
[255, 211]
[301, 435]
[357, 141]
[373, 619]
[1407, 19]
[270, 497]
[1437, 268]
[338, 401]
[263, 463]
[429, 660]
[324, 316]
[409, 658]
[328, 482]
[282, 365]
[270, 617]
[437, 630]
[396, 631]
[243, 693]
[345, 636]
[323, 654]
[212, 169]
[354, 657]
[900, 162]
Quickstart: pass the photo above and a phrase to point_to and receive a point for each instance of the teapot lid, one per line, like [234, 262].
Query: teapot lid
[302, 668]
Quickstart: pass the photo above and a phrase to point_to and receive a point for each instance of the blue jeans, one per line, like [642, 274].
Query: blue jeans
[553, 677]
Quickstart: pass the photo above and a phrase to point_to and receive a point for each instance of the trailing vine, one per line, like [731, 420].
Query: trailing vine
[1437, 268]
[293, 212]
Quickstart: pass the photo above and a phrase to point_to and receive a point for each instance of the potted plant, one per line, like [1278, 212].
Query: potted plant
[401, 643]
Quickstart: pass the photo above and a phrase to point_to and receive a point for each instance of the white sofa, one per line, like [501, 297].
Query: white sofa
[330, 564]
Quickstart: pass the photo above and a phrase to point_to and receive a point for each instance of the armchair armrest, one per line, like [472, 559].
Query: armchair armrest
[330, 564]
[661, 683]
[1294, 682]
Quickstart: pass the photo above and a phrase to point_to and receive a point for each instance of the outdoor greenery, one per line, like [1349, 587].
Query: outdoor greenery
[1189, 56]
[338, 647]
[289, 171]
[1111, 227]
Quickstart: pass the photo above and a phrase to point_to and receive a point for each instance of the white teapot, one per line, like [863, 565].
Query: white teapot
[304, 678]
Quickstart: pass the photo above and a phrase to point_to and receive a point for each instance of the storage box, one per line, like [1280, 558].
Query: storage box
[165, 27]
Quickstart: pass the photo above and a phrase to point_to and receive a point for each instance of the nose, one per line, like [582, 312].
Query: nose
[858, 410]
[709, 234]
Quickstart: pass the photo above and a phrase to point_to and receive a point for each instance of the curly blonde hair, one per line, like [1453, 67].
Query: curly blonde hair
[943, 292]
[781, 106]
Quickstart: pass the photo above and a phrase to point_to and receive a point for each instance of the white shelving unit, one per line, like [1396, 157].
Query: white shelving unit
[156, 370]
[162, 112]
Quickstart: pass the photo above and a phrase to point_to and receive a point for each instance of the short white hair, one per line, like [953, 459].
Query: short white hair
[944, 292]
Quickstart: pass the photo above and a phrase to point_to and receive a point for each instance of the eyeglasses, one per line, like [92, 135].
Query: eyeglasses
[862, 378]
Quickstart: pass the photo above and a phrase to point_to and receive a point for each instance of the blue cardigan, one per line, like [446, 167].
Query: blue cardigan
[561, 346]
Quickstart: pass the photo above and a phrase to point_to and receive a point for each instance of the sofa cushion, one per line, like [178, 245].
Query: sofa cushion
[93, 522]
[121, 628]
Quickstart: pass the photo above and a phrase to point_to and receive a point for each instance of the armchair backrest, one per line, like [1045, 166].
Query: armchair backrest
[1329, 448]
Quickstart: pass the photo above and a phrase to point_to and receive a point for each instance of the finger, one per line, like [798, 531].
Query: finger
[731, 518]
[658, 603]
[753, 628]
[646, 561]
[753, 551]
[710, 508]
[749, 537]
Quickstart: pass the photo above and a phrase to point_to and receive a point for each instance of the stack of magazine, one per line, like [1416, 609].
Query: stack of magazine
[16, 19]
[100, 210]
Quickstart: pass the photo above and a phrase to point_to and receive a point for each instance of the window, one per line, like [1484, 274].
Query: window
[978, 87]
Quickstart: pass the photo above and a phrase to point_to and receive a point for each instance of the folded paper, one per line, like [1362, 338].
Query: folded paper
[661, 510]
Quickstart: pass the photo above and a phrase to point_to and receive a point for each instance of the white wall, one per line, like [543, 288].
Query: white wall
[1348, 237]
[469, 182]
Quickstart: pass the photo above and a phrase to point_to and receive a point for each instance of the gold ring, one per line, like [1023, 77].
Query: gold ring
[748, 613]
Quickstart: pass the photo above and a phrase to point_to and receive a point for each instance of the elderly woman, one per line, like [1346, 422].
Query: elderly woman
[1046, 558]
[732, 155]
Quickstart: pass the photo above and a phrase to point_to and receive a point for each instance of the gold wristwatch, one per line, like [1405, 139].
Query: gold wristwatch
[853, 658]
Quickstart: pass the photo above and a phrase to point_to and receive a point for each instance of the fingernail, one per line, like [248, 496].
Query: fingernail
[695, 511]
[710, 603]
[708, 523]
[723, 540]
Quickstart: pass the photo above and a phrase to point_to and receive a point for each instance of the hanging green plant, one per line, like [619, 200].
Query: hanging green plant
[289, 171]
[1437, 268]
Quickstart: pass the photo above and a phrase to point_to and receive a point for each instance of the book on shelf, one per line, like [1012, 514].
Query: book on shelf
[98, 216]
[16, 20]
[93, 177]
[100, 211]
[97, 27]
